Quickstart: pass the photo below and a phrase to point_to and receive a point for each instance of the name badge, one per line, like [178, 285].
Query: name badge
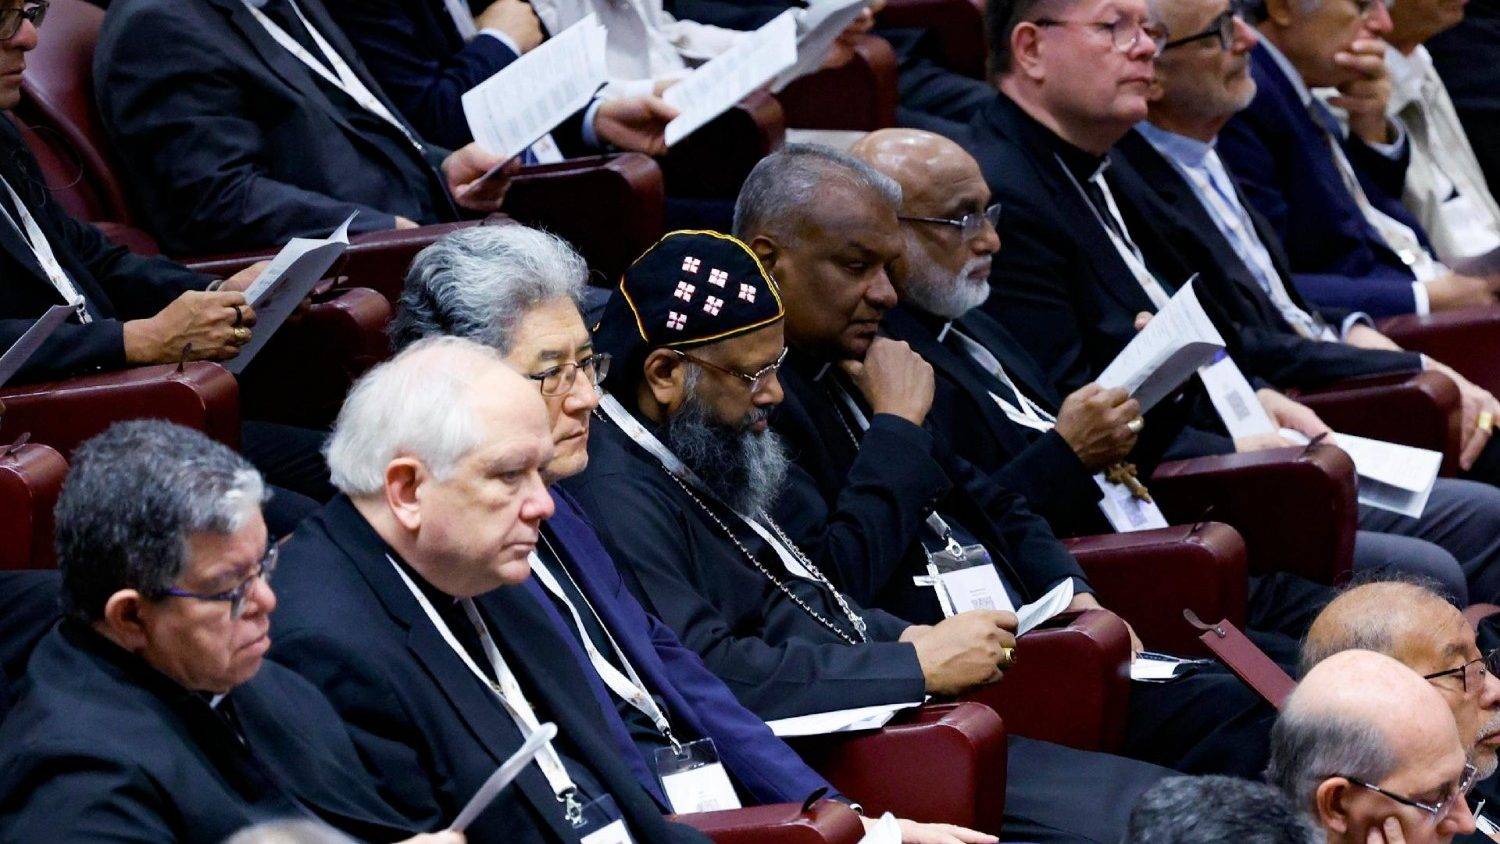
[694, 779]
[966, 579]
[1124, 511]
[599, 822]
[1487, 826]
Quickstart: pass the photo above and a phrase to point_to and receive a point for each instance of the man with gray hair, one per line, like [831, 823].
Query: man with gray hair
[148, 712]
[407, 600]
[1213, 809]
[1370, 751]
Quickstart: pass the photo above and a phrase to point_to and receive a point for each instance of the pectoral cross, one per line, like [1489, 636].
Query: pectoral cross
[1124, 473]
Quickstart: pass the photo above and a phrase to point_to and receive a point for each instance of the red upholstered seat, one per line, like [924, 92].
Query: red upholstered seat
[31, 475]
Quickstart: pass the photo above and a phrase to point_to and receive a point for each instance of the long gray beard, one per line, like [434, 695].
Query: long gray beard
[743, 469]
[949, 297]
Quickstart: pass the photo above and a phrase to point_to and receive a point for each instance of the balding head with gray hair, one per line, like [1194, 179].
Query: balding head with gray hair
[778, 192]
[479, 283]
[417, 404]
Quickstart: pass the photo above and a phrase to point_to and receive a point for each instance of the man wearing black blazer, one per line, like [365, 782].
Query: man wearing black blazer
[244, 124]
[401, 601]
[1084, 253]
[1462, 56]
[148, 713]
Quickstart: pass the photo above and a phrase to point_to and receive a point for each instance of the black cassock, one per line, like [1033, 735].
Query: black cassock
[781, 661]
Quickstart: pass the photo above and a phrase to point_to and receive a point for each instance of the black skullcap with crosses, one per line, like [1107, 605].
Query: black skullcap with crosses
[691, 288]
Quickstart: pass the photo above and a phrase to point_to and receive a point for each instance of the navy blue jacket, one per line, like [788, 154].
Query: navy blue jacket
[1282, 161]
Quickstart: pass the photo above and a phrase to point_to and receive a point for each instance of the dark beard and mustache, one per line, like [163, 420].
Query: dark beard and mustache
[743, 469]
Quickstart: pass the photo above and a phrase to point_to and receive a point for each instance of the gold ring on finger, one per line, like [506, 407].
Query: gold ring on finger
[1485, 422]
[242, 335]
[1007, 657]
[1136, 425]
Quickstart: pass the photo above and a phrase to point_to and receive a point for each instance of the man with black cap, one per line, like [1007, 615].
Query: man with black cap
[679, 484]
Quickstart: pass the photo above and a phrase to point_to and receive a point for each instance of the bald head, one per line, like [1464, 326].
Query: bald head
[1397, 619]
[944, 268]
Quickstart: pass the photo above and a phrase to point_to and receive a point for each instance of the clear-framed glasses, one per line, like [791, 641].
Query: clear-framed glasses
[1124, 32]
[970, 225]
[559, 379]
[235, 596]
[1221, 27]
[1472, 673]
[1436, 812]
[756, 380]
[10, 19]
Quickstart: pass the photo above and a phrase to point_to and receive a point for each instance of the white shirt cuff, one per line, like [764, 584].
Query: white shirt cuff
[503, 39]
[1357, 318]
[590, 137]
[1396, 147]
[1419, 295]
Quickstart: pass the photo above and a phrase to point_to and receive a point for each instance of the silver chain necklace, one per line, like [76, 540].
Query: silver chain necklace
[818, 576]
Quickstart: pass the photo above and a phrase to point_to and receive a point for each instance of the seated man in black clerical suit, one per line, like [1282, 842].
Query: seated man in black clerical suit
[407, 600]
[243, 124]
[132, 309]
[148, 712]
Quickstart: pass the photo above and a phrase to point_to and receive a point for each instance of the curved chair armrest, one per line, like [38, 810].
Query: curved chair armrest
[958, 747]
[958, 26]
[825, 822]
[1294, 507]
[304, 372]
[1149, 577]
[1420, 409]
[859, 95]
[63, 414]
[1467, 340]
[31, 476]
[1070, 683]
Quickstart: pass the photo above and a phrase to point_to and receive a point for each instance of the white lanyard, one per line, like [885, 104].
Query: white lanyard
[505, 689]
[1029, 414]
[1129, 252]
[32, 234]
[346, 80]
[463, 18]
[645, 439]
[629, 688]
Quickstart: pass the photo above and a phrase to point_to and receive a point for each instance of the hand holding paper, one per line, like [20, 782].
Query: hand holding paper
[1178, 340]
[724, 80]
[823, 22]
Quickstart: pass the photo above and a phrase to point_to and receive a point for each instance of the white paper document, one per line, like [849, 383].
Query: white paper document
[1234, 399]
[285, 282]
[1150, 667]
[527, 98]
[1125, 512]
[839, 720]
[1179, 339]
[1045, 607]
[1392, 477]
[32, 339]
[822, 22]
[503, 776]
[727, 78]
[887, 830]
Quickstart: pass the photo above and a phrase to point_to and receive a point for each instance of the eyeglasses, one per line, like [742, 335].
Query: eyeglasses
[757, 380]
[235, 596]
[1436, 811]
[560, 379]
[1125, 32]
[970, 225]
[1221, 27]
[1472, 673]
[10, 19]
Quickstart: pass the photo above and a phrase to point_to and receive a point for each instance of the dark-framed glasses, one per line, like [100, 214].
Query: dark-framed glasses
[235, 596]
[970, 225]
[1221, 27]
[1472, 673]
[756, 380]
[10, 19]
[1436, 811]
[1125, 33]
[559, 379]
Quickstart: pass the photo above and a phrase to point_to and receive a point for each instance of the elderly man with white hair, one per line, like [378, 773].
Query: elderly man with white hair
[1371, 752]
[516, 289]
[400, 601]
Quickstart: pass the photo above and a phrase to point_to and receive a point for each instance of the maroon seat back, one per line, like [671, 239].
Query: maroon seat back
[57, 104]
[31, 476]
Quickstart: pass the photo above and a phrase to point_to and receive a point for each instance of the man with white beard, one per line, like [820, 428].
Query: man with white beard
[1414, 625]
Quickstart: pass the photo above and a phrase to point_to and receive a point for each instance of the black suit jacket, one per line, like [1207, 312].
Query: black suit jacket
[427, 729]
[28, 609]
[102, 747]
[229, 141]
[117, 284]
[870, 524]
[1287, 358]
